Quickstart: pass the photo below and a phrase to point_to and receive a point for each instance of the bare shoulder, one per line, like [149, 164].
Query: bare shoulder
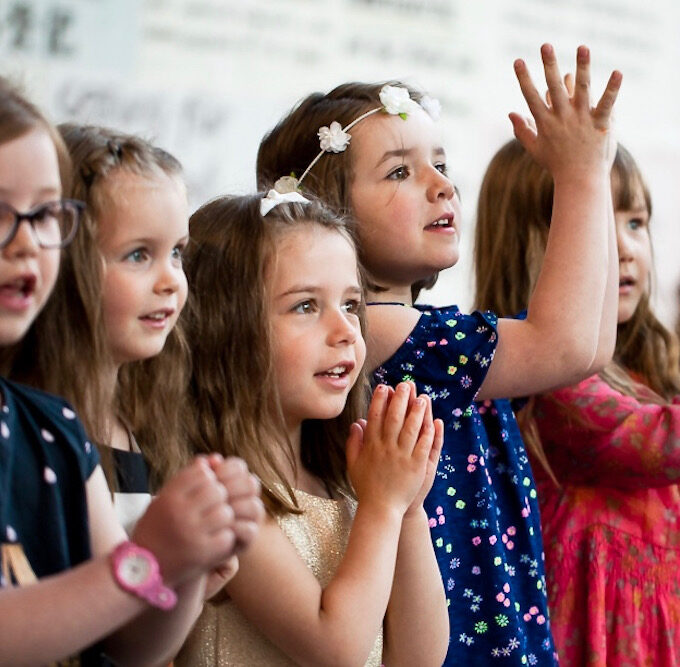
[388, 328]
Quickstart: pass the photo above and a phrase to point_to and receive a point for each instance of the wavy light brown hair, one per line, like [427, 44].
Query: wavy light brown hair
[513, 218]
[19, 116]
[291, 146]
[66, 350]
[233, 387]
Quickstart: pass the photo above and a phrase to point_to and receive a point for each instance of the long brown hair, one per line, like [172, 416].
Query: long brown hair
[66, 351]
[233, 388]
[513, 218]
[18, 116]
[290, 147]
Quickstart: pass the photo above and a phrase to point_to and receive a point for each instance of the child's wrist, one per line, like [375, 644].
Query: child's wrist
[582, 176]
[380, 511]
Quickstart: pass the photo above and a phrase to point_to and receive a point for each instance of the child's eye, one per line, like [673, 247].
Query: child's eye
[138, 255]
[178, 253]
[636, 223]
[305, 307]
[352, 306]
[441, 167]
[398, 174]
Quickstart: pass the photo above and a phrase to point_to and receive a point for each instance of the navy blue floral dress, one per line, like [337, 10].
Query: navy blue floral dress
[483, 511]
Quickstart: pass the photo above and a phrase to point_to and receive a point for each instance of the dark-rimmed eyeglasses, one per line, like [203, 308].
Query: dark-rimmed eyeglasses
[54, 223]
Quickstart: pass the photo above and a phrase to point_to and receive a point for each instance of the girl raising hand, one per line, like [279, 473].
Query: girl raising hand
[382, 159]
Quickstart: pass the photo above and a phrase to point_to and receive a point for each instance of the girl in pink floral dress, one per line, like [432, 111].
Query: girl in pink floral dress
[606, 451]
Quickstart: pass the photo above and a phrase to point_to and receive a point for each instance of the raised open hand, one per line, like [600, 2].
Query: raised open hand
[568, 135]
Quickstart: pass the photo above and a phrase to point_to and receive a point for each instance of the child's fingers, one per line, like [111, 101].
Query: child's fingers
[569, 83]
[438, 442]
[248, 509]
[581, 94]
[414, 391]
[232, 466]
[396, 413]
[191, 478]
[353, 444]
[204, 498]
[525, 133]
[427, 417]
[423, 445]
[217, 518]
[376, 412]
[413, 424]
[245, 533]
[241, 486]
[603, 110]
[222, 545]
[362, 423]
[553, 78]
[526, 85]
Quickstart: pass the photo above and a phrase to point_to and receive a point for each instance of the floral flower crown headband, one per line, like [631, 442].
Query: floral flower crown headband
[334, 138]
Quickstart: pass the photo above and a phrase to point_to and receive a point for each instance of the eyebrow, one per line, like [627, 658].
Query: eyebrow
[405, 152]
[313, 289]
[43, 192]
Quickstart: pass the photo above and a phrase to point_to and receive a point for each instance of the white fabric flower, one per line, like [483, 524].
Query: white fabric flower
[333, 139]
[432, 106]
[397, 100]
[286, 184]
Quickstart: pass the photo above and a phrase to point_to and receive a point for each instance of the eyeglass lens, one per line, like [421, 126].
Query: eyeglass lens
[53, 223]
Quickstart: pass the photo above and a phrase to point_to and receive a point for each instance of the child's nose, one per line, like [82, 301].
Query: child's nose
[342, 331]
[440, 186]
[169, 278]
[24, 243]
[624, 246]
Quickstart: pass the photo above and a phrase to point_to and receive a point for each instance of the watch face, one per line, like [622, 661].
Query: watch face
[134, 569]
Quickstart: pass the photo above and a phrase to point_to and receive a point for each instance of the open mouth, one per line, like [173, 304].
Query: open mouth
[445, 221]
[23, 286]
[339, 371]
[158, 316]
[626, 282]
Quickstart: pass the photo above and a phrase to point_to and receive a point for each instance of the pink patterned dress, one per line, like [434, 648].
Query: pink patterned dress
[612, 531]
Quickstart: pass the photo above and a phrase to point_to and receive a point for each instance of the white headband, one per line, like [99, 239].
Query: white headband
[334, 138]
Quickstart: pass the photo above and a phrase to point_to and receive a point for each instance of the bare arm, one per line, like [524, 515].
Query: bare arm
[608, 324]
[417, 620]
[338, 624]
[77, 608]
[559, 342]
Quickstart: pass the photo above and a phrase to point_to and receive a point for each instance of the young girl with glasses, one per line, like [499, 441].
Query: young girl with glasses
[70, 582]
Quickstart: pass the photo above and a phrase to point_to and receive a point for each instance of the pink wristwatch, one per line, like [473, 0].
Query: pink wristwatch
[136, 570]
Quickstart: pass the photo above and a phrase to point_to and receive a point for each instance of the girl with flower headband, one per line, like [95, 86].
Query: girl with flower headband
[68, 574]
[392, 177]
[277, 357]
[606, 449]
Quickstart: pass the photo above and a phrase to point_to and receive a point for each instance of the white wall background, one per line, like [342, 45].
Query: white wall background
[207, 78]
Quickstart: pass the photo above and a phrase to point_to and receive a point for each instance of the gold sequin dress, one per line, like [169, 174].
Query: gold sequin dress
[222, 636]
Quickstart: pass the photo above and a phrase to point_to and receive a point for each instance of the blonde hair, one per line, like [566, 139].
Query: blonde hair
[236, 410]
[513, 218]
[291, 146]
[66, 351]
